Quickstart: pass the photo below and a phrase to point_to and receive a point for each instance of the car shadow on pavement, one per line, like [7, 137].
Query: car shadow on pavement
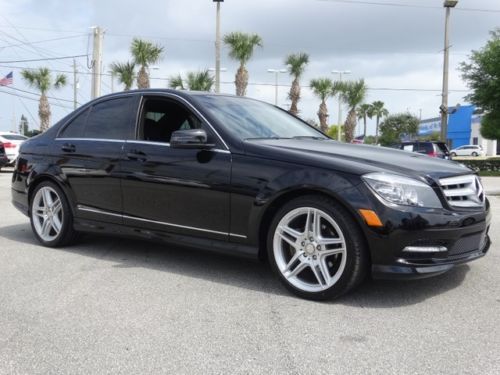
[238, 272]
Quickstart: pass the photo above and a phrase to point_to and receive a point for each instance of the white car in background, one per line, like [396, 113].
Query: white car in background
[11, 143]
[467, 150]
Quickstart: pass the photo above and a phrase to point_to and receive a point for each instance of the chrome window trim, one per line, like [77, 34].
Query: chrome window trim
[142, 95]
[165, 144]
[98, 211]
[91, 139]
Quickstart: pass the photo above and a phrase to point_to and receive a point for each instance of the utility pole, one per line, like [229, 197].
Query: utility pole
[112, 82]
[75, 84]
[339, 125]
[276, 73]
[97, 61]
[217, 47]
[448, 4]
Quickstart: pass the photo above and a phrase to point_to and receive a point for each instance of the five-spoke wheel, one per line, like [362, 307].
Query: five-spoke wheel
[51, 218]
[316, 248]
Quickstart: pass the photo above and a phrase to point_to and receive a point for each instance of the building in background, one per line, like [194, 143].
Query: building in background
[464, 124]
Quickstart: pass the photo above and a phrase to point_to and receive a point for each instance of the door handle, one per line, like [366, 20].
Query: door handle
[136, 155]
[68, 147]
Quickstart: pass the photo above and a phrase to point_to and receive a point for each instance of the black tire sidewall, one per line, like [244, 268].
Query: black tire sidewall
[67, 222]
[356, 258]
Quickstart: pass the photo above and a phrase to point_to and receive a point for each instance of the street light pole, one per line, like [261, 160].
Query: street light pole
[276, 72]
[448, 4]
[339, 126]
[217, 47]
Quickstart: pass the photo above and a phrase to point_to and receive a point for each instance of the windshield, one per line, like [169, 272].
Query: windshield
[251, 119]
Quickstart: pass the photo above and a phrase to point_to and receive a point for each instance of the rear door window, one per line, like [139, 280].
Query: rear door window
[111, 119]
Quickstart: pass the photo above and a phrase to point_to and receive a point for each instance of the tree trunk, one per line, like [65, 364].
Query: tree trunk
[376, 130]
[364, 129]
[241, 81]
[323, 117]
[350, 125]
[44, 113]
[143, 79]
[294, 96]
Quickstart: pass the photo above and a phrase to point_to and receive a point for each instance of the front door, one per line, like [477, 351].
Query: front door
[182, 191]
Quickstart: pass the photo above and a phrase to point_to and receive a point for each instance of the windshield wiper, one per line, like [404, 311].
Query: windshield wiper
[308, 137]
[253, 138]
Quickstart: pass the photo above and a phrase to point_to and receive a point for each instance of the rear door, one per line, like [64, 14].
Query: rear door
[89, 149]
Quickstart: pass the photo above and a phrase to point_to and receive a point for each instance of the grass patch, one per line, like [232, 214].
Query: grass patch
[489, 173]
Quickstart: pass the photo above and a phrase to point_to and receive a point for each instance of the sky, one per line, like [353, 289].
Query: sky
[395, 45]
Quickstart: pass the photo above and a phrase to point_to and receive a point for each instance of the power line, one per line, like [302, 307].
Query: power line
[44, 59]
[29, 112]
[34, 93]
[400, 5]
[42, 41]
[36, 100]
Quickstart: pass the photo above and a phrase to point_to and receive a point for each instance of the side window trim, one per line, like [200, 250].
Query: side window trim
[179, 101]
[186, 103]
[89, 106]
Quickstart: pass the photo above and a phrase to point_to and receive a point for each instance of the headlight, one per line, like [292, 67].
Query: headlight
[402, 190]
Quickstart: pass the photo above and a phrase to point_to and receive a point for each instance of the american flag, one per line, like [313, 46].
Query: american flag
[7, 80]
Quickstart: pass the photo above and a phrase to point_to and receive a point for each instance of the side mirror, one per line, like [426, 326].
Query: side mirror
[190, 138]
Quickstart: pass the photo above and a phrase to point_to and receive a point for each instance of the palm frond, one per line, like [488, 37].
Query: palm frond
[322, 87]
[176, 83]
[242, 45]
[297, 63]
[145, 52]
[125, 73]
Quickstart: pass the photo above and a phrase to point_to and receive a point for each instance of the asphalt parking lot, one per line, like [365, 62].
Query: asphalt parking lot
[122, 306]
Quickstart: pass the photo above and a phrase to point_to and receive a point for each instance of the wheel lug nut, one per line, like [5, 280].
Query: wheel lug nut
[303, 243]
[311, 239]
[318, 247]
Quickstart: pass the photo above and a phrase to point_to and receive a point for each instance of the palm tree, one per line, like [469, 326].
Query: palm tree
[41, 80]
[144, 54]
[352, 94]
[196, 81]
[241, 49]
[378, 110]
[125, 73]
[322, 88]
[297, 64]
[364, 111]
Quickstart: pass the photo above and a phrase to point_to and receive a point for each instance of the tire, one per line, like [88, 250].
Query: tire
[474, 154]
[306, 270]
[453, 154]
[50, 216]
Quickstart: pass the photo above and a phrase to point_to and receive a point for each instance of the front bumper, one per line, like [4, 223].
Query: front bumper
[461, 236]
[405, 269]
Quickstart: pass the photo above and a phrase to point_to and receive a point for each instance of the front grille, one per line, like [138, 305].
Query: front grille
[463, 191]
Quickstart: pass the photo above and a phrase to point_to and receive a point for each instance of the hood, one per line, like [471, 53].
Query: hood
[353, 158]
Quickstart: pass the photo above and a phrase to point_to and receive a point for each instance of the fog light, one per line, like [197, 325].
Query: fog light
[425, 249]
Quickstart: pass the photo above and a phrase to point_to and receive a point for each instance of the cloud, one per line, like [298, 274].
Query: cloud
[388, 46]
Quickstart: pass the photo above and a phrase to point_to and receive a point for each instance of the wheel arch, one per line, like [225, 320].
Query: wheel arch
[280, 200]
[40, 178]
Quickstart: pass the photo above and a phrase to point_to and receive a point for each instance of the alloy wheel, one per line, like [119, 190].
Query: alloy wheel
[47, 213]
[309, 249]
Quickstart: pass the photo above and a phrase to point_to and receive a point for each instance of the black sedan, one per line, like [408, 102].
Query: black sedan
[240, 176]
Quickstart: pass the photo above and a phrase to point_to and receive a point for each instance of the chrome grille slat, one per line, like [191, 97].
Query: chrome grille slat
[463, 191]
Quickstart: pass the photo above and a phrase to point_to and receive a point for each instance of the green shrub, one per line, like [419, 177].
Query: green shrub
[490, 165]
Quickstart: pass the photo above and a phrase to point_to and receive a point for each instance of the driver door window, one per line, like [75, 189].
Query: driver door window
[160, 118]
